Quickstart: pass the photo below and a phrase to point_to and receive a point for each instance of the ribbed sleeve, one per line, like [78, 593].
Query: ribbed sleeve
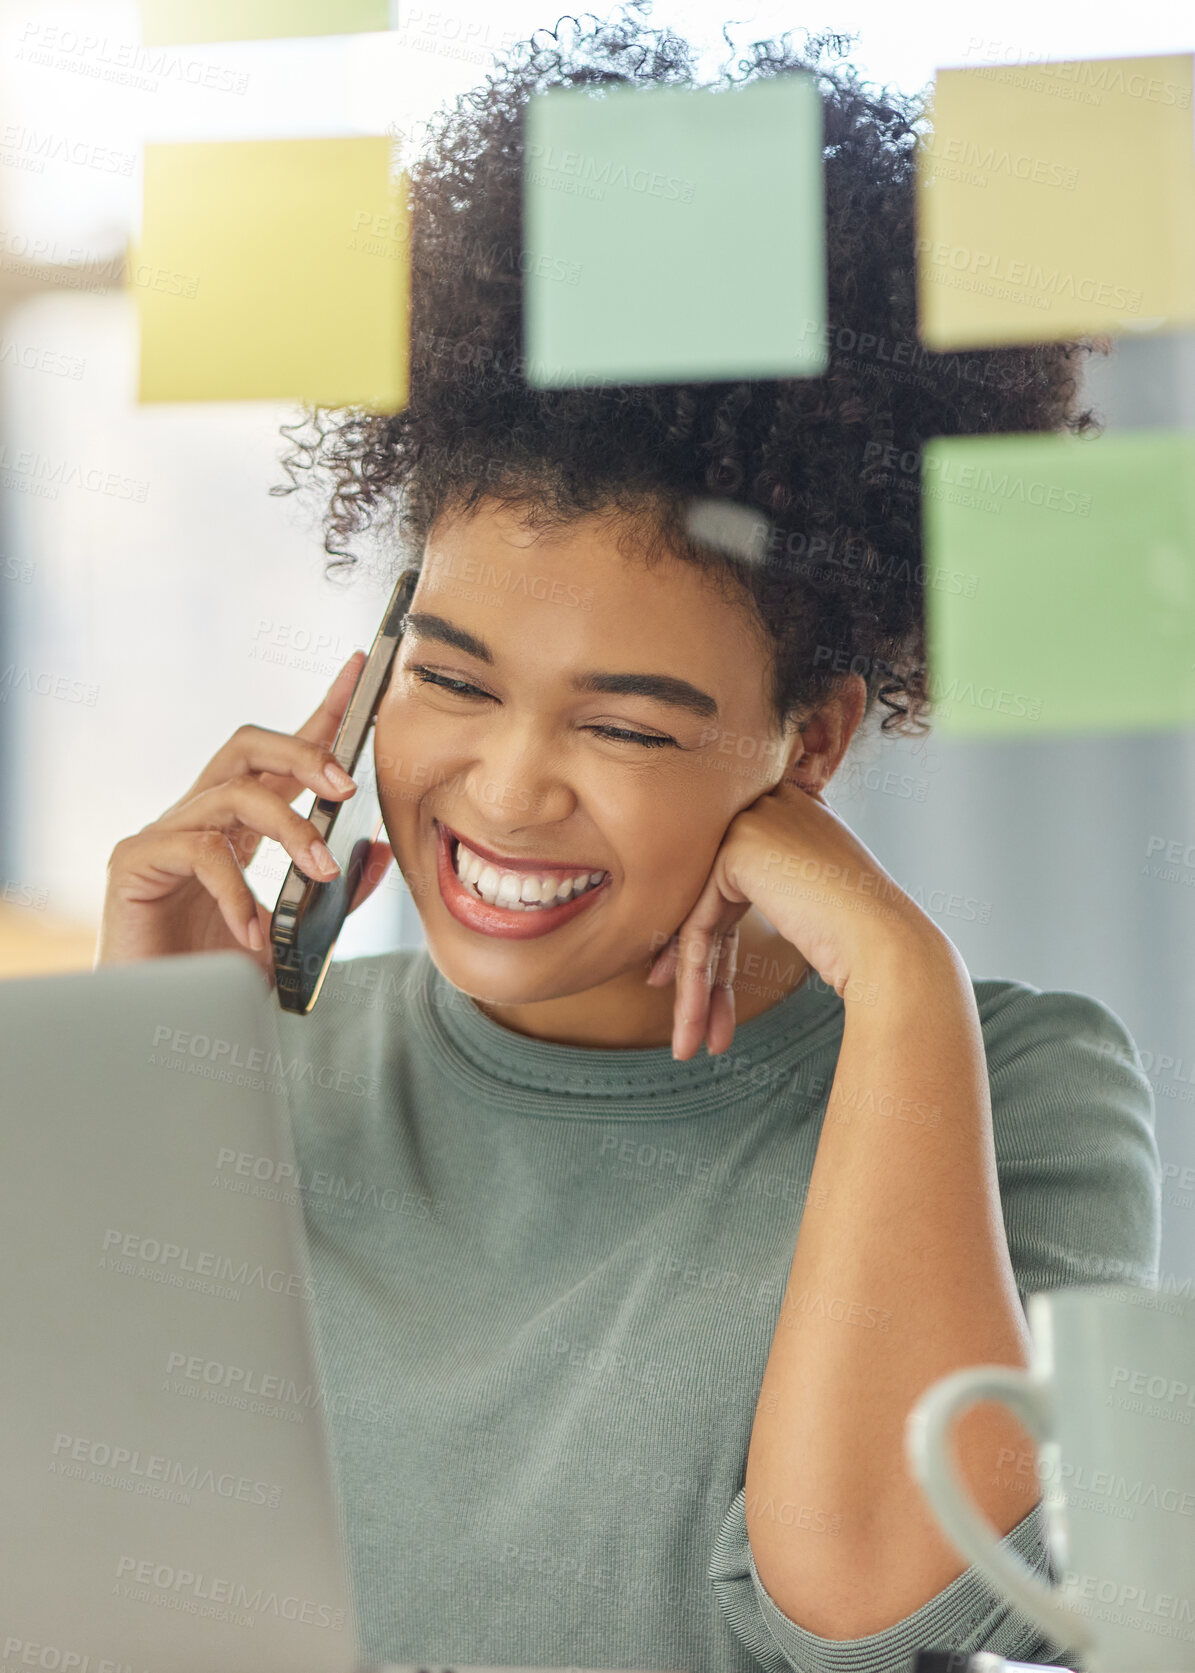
[966, 1616]
[1080, 1188]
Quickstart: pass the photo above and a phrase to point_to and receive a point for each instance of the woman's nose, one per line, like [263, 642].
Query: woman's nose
[517, 777]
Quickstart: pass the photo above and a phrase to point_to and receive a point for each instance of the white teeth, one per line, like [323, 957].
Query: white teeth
[519, 891]
[508, 889]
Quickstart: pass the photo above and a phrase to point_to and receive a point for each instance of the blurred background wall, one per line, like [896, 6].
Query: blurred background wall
[153, 596]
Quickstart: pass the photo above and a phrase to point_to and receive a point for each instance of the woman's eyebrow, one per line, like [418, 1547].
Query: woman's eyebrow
[435, 627]
[664, 688]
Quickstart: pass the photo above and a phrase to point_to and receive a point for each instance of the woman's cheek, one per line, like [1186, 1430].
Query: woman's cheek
[669, 859]
[405, 752]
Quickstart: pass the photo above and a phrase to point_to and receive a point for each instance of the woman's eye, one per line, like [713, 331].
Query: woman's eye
[650, 739]
[460, 688]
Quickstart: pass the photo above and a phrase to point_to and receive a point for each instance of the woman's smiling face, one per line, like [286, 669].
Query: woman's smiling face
[567, 710]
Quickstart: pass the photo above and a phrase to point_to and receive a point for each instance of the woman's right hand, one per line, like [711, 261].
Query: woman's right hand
[179, 886]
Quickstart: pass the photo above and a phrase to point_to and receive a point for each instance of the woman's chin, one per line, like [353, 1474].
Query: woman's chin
[483, 979]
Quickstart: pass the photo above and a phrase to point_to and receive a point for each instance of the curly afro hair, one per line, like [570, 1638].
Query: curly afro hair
[832, 462]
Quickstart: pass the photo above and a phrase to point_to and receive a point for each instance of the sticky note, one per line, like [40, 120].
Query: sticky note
[1055, 200]
[1060, 583]
[673, 233]
[274, 270]
[167, 22]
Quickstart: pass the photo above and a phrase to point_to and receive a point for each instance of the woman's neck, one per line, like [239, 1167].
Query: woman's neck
[626, 1013]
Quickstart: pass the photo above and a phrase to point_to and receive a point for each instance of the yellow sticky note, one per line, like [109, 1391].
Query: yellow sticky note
[274, 270]
[1054, 200]
[166, 22]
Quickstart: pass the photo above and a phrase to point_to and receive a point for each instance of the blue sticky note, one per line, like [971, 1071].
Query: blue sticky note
[674, 233]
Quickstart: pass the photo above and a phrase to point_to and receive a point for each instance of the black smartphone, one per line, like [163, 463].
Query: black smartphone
[308, 915]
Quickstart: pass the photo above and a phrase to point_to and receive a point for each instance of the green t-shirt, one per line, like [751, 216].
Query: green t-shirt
[547, 1280]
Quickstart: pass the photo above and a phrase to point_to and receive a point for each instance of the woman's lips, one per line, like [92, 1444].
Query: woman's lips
[477, 914]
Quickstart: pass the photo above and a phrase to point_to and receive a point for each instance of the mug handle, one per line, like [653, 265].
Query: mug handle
[927, 1433]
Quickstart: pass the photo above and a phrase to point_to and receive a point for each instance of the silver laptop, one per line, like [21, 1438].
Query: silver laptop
[170, 1503]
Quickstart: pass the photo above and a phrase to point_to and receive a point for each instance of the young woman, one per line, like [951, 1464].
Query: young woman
[646, 1201]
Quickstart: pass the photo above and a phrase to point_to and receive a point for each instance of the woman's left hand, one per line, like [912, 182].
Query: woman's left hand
[789, 854]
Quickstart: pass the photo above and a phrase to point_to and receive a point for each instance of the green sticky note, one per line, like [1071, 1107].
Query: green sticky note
[673, 233]
[168, 22]
[274, 270]
[1060, 583]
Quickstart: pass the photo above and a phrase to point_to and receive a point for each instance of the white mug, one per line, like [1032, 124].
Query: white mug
[1110, 1396]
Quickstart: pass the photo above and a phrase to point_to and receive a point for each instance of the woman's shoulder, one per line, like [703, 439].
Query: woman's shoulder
[1028, 1030]
[1073, 1123]
[363, 997]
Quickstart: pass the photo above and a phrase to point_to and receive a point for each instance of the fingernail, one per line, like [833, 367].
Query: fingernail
[337, 777]
[344, 666]
[321, 859]
[256, 939]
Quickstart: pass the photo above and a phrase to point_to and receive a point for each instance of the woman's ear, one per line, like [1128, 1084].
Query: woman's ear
[823, 737]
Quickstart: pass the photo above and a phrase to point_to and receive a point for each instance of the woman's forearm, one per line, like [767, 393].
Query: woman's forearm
[901, 1275]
